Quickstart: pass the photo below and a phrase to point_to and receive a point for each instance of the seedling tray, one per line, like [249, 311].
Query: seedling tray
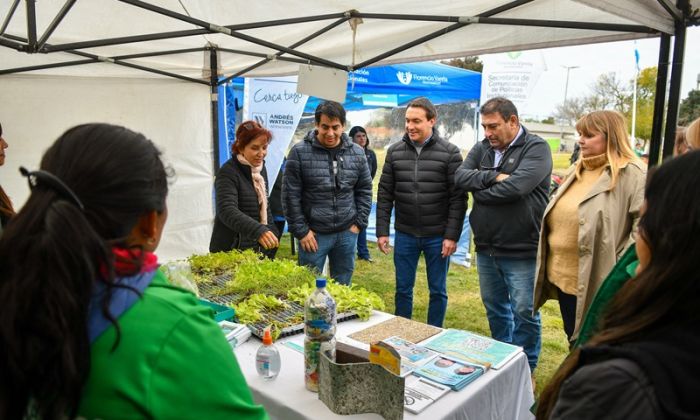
[284, 317]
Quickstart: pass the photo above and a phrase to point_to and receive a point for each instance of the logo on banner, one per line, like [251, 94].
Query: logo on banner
[260, 118]
[281, 121]
[404, 77]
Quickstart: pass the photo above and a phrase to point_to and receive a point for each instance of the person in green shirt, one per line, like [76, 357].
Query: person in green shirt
[90, 327]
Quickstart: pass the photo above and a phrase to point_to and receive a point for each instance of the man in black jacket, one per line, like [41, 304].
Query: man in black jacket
[327, 194]
[418, 182]
[508, 174]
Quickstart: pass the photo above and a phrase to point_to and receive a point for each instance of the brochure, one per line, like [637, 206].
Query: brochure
[420, 393]
[450, 372]
[412, 355]
[473, 348]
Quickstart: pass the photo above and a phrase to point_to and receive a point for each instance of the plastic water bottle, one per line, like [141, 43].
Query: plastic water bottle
[267, 359]
[319, 327]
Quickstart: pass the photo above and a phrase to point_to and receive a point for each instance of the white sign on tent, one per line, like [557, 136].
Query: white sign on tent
[511, 75]
[275, 104]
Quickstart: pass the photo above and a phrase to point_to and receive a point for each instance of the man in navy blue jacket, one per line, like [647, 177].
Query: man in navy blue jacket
[327, 194]
[508, 174]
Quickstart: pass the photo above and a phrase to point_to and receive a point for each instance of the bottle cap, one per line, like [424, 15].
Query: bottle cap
[320, 282]
[267, 337]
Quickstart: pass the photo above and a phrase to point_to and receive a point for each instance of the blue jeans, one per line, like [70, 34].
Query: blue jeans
[407, 250]
[507, 290]
[340, 249]
[362, 250]
[462, 255]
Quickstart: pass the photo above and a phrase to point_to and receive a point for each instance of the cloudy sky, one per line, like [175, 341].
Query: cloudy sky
[596, 59]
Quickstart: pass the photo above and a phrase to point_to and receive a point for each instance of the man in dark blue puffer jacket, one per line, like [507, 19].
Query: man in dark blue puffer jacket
[327, 194]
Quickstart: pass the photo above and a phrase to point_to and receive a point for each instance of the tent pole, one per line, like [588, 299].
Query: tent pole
[31, 26]
[186, 33]
[276, 56]
[158, 53]
[8, 18]
[659, 99]
[47, 66]
[261, 55]
[226, 31]
[436, 34]
[512, 21]
[671, 9]
[674, 89]
[54, 24]
[214, 86]
[93, 59]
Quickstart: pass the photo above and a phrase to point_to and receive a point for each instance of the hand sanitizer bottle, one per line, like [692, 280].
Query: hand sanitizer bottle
[267, 359]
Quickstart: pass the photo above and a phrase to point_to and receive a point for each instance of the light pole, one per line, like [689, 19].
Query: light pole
[566, 91]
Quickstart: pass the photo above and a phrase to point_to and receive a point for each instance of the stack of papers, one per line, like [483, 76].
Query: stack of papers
[420, 393]
[413, 356]
[236, 334]
[473, 348]
[450, 372]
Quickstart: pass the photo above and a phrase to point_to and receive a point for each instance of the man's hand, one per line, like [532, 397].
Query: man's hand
[501, 177]
[308, 242]
[268, 240]
[354, 229]
[448, 247]
[383, 244]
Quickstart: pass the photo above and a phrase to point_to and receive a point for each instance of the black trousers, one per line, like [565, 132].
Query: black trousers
[567, 306]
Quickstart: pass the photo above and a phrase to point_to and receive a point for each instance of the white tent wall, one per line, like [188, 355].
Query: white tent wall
[36, 110]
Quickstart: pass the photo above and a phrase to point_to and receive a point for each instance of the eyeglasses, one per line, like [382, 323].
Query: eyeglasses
[488, 168]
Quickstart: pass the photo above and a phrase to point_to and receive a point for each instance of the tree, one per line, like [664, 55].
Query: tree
[571, 111]
[690, 108]
[610, 92]
[646, 88]
[471, 62]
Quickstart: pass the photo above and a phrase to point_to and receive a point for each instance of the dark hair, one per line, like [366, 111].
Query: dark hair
[331, 110]
[6, 209]
[247, 132]
[501, 105]
[665, 292]
[53, 254]
[422, 102]
[357, 129]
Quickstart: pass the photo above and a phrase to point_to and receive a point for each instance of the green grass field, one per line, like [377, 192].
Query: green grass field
[465, 310]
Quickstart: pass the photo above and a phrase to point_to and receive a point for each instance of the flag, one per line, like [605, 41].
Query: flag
[636, 56]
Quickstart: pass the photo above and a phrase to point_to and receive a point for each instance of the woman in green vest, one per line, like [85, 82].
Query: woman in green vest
[89, 326]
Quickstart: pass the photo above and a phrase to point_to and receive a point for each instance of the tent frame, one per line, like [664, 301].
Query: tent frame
[680, 13]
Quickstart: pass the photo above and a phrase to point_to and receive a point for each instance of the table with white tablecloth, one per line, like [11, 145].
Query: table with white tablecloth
[505, 393]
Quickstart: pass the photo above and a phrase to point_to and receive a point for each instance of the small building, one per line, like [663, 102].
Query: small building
[566, 133]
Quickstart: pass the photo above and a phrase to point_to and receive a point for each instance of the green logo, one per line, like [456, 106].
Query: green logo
[515, 54]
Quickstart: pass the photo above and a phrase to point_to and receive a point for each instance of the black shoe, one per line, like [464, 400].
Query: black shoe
[368, 259]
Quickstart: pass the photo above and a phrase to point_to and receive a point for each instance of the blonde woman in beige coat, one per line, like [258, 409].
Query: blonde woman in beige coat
[592, 218]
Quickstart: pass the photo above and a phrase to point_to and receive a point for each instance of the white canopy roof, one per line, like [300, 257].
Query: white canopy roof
[259, 28]
[129, 78]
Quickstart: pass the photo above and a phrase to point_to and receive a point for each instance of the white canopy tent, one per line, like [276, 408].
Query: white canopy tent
[148, 65]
